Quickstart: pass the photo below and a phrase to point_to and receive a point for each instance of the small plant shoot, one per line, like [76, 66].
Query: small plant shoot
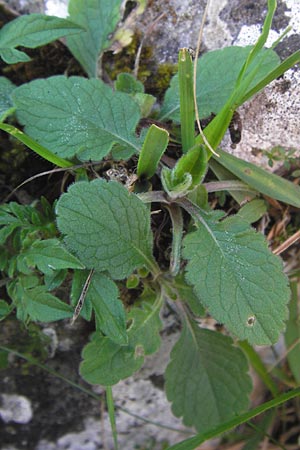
[101, 233]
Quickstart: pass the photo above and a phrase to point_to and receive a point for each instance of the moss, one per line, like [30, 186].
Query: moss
[156, 78]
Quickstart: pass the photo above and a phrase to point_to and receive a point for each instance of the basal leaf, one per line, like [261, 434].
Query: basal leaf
[32, 31]
[217, 73]
[99, 18]
[238, 279]
[110, 314]
[6, 88]
[106, 227]
[106, 363]
[49, 255]
[206, 380]
[75, 116]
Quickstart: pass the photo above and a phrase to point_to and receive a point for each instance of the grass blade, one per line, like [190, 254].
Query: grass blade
[192, 443]
[187, 110]
[265, 182]
[35, 146]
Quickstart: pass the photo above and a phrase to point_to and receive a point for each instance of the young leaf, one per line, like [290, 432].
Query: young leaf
[238, 278]
[145, 327]
[186, 98]
[206, 380]
[153, 148]
[34, 301]
[6, 88]
[261, 180]
[106, 227]
[45, 307]
[77, 117]
[49, 255]
[32, 31]
[106, 363]
[110, 315]
[217, 73]
[99, 18]
[126, 82]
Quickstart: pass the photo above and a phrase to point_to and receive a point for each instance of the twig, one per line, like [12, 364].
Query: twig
[288, 243]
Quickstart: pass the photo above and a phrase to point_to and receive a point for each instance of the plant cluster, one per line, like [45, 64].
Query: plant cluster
[99, 232]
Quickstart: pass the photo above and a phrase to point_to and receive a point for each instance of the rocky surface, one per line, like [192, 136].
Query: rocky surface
[41, 412]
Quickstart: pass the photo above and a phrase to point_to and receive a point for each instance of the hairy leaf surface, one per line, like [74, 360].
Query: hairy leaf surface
[206, 380]
[217, 73]
[238, 279]
[99, 18]
[106, 363]
[49, 255]
[32, 31]
[6, 88]
[106, 227]
[75, 116]
[110, 314]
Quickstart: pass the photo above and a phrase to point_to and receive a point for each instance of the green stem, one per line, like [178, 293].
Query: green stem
[111, 413]
[177, 225]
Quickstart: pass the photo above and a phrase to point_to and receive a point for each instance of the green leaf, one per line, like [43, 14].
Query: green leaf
[49, 255]
[217, 72]
[34, 301]
[292, 334]
[154, 146]
[32, 31]
[45, 307]
[186, 99]
[4, 309]
[110, 314]
[54, 279]
[35, 146]
[106, 363]
[206, 380]
[106, 227]
[99, 18]
[261, 180]
[77, 117]
[253, 211]
[238, 278]
[126, 82]
[145, 327]
[193, 442]
[6, 88]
